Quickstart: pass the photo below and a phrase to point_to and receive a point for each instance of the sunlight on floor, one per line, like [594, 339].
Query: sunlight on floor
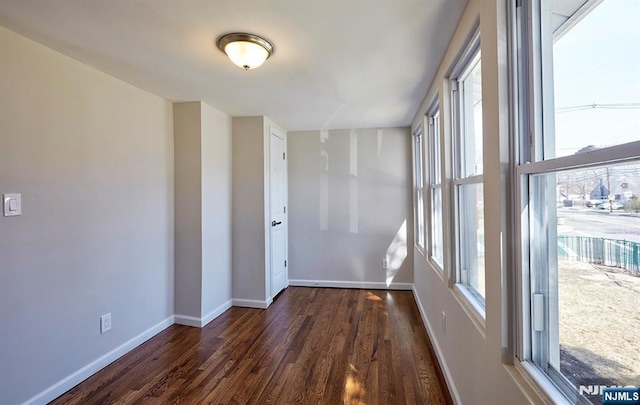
[354, 391]
[373, 297]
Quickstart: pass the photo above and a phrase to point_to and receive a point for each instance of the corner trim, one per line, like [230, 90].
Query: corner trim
[101, 362]
[188, 320]
[250, 303]
[201, 322]
[351, 284]
[215, 313]
[443, 365]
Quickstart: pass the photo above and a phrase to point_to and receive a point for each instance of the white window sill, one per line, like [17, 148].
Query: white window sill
[472, 306]
[540, 383]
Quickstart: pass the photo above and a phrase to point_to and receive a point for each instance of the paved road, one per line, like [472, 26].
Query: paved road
[600, 224]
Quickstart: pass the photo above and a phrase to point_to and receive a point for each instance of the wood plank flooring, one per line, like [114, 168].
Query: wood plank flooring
[312, 346]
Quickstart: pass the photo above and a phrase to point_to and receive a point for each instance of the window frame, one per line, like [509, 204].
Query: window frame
[532, 115]
[418, 186]
[435, 178]
[465, 64]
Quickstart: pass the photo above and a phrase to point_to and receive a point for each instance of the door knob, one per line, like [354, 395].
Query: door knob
[274, 223]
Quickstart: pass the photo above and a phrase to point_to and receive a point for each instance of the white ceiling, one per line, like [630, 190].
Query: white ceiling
[337, 63]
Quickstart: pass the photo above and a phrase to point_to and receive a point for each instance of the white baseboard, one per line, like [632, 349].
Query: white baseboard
[351, 284]
[201, 322]
[216, 312]
[87, 371]
[443, 365]
[188, 320]
[250, 303]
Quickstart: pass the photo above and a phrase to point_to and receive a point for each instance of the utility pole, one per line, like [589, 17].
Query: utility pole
[610, 197]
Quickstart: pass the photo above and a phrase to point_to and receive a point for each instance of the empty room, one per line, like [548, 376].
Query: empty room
[320, 202]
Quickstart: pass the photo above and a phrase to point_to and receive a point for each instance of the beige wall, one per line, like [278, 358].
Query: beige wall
[93, 159]
[203, 212]
[251, 254]
[216, 212]
[248, 210]
[188, 212]
[350, 208]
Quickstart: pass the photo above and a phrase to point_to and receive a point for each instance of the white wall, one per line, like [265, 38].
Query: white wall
[93, 159]
[472, 353]
[350, 207]
[203, 212]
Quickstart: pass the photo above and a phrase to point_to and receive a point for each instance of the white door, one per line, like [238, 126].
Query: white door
[278, 199]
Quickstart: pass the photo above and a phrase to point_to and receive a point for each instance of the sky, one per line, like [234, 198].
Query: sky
[598, 61]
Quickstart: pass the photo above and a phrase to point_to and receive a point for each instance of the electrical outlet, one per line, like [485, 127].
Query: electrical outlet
[105, 323]
[444, 322]
[385, 264]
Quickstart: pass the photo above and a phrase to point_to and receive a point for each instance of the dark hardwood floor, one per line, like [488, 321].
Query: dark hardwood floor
[312, 346]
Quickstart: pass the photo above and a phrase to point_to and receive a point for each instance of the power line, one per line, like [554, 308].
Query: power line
[629, 134]
[614, 106]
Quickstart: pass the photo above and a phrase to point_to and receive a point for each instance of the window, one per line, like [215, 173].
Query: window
[435, 187]
[419, 188]
[579, 149]
[468, 182]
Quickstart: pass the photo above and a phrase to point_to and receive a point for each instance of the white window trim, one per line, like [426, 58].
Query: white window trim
[541, 384]
[472, 304]
[437, 262]
[557, 385]
[435, 184]
[537, 93]
[464, 64]
[419, 135]
[475, 179]
[612, 154]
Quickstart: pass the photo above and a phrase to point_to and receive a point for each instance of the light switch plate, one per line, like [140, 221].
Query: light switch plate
[12, 205]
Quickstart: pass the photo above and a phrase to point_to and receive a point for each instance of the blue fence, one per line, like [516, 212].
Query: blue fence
[607, 252]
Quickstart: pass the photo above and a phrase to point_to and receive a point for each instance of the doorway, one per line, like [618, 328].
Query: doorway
[278, 211]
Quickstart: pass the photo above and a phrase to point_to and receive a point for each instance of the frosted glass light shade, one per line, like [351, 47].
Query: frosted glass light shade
[247, 55]
[247, 51]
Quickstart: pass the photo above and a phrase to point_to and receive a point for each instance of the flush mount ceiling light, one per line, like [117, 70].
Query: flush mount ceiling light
[245, 50]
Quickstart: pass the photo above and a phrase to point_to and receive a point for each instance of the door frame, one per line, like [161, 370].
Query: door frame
[269, 131]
